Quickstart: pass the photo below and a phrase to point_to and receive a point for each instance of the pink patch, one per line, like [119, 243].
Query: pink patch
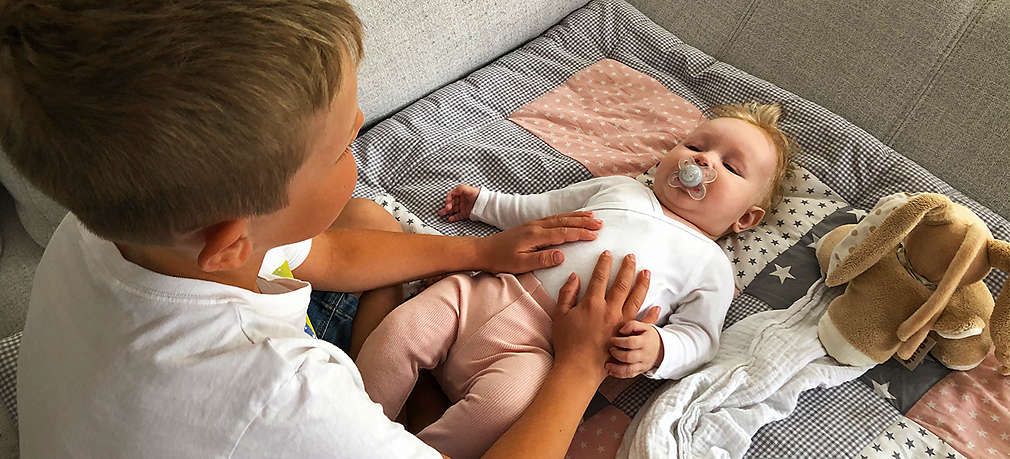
[970, 410]
[600, 435]
[611, 118]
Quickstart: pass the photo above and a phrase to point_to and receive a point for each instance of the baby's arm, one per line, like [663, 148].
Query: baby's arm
[691, 335]
[689, 338]
[505, 210]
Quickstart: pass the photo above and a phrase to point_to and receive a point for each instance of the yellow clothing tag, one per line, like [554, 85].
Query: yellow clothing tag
[284, 271]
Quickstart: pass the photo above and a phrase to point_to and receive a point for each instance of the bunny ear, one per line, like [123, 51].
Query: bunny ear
[921, 321]
[884, 239]
[999, 323]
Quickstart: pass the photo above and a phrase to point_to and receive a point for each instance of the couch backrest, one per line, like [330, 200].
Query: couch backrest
[929, 78]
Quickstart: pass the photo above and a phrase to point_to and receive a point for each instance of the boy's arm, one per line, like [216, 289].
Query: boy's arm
[348, 260]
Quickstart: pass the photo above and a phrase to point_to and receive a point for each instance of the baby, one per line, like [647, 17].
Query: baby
[487, 338]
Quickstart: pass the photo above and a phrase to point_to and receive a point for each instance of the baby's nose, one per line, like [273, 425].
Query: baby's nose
[700, 160]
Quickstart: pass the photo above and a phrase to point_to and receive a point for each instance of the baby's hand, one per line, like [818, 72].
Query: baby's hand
[638, 349]
[459, 202]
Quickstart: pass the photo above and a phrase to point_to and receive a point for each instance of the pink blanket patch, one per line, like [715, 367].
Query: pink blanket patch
[969, 410]
[611, 118]
[599, 436]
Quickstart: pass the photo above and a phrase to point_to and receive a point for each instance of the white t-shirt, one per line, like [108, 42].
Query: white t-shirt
[692, 280]
[120, 361]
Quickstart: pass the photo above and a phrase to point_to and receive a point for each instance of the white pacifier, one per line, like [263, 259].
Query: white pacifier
[693, 178]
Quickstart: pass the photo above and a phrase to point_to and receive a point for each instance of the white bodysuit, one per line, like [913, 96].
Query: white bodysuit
[692, 280]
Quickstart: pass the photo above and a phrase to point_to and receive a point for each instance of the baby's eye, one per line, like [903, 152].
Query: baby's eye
[693, 148]
[730, 168]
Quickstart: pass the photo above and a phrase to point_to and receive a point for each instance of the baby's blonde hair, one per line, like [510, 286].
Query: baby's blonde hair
[766, 117]
[150, 118]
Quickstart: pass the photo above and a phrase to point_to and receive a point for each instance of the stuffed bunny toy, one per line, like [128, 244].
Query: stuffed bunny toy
[913, 265]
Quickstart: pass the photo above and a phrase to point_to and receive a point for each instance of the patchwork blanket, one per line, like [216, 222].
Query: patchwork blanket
[507, 127]
[527, 123]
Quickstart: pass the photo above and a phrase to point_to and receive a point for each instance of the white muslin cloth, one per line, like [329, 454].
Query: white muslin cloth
[763, 364]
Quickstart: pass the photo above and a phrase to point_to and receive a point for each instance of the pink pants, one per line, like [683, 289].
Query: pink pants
[488, 340]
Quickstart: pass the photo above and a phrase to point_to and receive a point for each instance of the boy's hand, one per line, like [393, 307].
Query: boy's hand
[638, 349]
[459, 202]
[582, 327]
[517, 250]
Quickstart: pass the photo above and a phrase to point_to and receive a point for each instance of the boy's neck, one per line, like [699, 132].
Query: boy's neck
[176, 263]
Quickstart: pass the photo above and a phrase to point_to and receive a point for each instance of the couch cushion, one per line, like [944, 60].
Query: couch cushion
[961, 124]
[38, 214]
[927, 78]
[413, 48]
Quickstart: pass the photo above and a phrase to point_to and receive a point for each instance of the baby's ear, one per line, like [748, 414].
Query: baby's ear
[750, 218]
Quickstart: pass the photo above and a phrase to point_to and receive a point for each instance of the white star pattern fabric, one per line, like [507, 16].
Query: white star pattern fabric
[905, 439]
[409, 222]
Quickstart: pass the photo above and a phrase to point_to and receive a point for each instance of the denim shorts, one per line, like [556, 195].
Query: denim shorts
[331, 315]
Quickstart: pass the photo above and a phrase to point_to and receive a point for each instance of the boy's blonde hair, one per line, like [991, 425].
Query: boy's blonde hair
[150, 118]
[766, 117]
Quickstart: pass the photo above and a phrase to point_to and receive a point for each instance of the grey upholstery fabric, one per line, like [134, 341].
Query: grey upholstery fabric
[17, 266]
[930, 79]
[413, 48]
[960, 126]
[38, 214]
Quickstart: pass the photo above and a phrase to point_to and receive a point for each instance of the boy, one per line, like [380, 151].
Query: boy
[488, 338]
[202, 149]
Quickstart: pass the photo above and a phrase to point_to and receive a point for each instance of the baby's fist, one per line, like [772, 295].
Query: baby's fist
[637, 350]
[459, 202]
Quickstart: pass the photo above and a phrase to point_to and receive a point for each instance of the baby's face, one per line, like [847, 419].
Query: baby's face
[745, 159]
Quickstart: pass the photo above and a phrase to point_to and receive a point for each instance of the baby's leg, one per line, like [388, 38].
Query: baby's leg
[414, 336]
[419, 333]
[495, 369]
[498, 397]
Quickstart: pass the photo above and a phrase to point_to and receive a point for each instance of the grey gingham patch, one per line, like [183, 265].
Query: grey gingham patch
[9, 349]
[832, 422]
[632, 399]
[742, 306]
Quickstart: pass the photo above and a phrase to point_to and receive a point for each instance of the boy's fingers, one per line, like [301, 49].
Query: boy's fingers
[652, 316]
[601, 274]
[573, 221]
[554, 220]
[637, 296]
[561, 235]
[541, 259]
[622, 283]
[567, 294]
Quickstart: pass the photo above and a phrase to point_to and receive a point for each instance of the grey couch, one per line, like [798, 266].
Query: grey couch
[929, 78]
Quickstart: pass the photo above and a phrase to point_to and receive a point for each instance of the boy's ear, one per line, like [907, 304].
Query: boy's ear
[226, 246]
[749, 219]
